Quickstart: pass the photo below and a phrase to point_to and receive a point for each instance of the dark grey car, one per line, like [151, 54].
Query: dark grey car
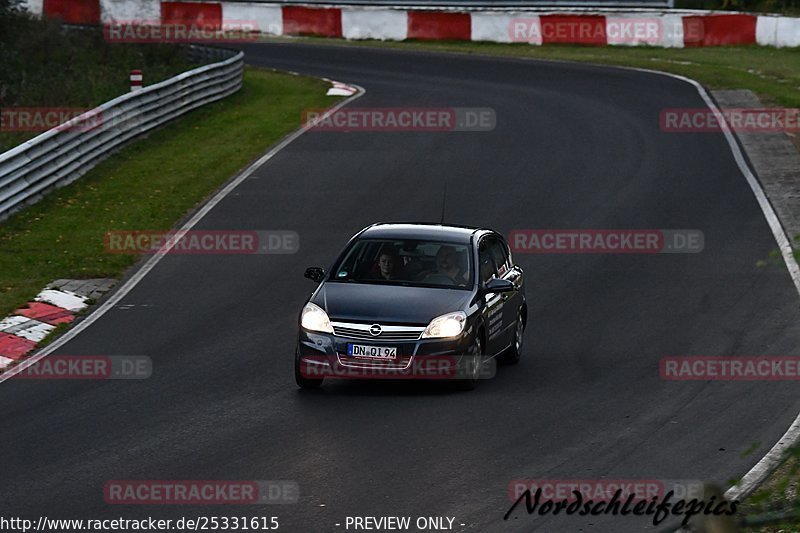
[402, 295]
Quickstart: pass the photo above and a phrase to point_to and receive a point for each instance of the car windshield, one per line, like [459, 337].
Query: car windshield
[406, 262]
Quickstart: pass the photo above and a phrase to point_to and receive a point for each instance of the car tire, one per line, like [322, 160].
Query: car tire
[302, 381]
[513, 354]
[474, 359]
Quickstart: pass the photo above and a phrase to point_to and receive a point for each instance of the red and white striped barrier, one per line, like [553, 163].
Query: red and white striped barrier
[665, 29]
[381, 24]
[111, 10]
[341, 89]
[28, 325]
[778, 31]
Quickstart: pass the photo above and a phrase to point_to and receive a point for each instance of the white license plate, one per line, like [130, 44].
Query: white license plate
[372, 352]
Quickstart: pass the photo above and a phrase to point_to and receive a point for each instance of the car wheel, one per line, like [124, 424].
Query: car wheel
[473, 366]
[511, 357]
[302, 381]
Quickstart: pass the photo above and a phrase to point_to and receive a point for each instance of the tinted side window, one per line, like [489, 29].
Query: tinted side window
[486, 262]
[499, 255]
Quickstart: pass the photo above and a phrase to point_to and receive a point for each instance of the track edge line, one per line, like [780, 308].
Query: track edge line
[775, 456]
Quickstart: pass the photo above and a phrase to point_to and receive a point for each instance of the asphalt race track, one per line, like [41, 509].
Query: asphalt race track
[575, 146]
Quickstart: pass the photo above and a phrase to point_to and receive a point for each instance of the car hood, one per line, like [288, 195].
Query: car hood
[366, 302]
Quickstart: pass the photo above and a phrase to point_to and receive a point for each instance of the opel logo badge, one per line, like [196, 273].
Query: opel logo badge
[375, 330]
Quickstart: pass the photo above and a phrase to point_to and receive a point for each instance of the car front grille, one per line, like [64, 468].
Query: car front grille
[388, 333]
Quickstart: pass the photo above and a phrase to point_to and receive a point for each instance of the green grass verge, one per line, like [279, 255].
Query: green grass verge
[767, 509]
[772, 73]
[148, 186]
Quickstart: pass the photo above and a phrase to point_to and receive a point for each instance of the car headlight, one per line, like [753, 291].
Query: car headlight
[446, 326]
[313, 318]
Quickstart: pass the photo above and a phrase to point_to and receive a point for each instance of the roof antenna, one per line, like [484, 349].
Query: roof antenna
[444, 202]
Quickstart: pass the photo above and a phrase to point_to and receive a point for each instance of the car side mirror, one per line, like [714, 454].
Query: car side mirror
[315, 274]
[496, 285]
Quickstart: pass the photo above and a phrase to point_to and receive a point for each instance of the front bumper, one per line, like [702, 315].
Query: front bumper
[324, 355]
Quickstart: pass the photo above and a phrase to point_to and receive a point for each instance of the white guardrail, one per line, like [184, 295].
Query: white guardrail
[63, 154]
